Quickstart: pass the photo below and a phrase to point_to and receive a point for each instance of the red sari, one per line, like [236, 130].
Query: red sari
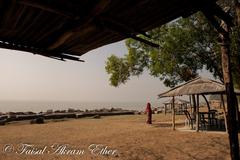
[149, 113]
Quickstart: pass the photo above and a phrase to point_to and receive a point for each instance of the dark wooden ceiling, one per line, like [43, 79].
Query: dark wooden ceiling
[67, 28]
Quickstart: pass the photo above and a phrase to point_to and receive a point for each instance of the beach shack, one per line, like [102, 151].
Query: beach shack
[216, 101]
[195, 88]
[180, 106]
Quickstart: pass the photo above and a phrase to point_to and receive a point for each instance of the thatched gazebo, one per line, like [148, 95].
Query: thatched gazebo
[198, 86]
[181, 104]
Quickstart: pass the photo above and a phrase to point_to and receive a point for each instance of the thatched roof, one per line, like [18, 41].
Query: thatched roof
[63, 29]
[196, 86]
[176, 101]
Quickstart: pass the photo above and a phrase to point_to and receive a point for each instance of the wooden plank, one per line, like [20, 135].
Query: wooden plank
[39, 51]
[48, 8]
[77, 26]
[128, 27]
[7, 12]
[125, 33]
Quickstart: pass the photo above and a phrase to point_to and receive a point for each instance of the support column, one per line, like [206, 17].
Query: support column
[194, 106]
[197, 114]
[231, 96]
[173, 113]
[164, 109]
[223, 31]
[190, 103]
[224, 113]
[206, 102]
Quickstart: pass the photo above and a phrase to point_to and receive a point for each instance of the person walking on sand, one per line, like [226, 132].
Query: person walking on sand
[149, 113]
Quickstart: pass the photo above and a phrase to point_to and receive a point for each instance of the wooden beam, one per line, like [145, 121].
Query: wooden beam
[190, 100]
[9, 6]
[214, 22]
[127, 34]
[206, 101]
[215, 10]
[120, 24]
[65, 36]
[232, 125]
[78, 25]
[144, 41]
[173, 113]
[197, 114]
[48, 8]
[231, 102]
[194, 106]
[164, 109]
[35, 50]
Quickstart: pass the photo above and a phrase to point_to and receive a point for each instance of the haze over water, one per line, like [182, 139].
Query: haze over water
[35, 83]
[23, 106]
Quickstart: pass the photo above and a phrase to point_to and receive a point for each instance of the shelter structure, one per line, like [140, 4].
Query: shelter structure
[67, 29]
[181, 105]
[198, 86]
[216, 101]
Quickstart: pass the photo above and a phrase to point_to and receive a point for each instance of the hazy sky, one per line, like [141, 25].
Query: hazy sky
[25, 76]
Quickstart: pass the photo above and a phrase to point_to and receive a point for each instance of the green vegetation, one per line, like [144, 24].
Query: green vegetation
[186, 46]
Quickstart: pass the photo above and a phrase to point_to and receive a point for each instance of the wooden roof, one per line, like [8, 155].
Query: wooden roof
[62, 28]
[197, 86]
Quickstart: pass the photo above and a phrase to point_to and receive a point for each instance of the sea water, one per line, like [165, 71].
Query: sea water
[38, 106]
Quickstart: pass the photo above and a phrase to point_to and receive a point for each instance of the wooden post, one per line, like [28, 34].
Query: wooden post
[194, 106]
[237, 110]
[173, 113]
[224, 113]
[197, 114]
[190, 100]
[164, 109]
[206, 102]
[232, 125]
[194, 110]
[231, 101]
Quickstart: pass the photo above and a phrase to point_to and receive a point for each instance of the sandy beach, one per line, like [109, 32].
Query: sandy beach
[122, 137]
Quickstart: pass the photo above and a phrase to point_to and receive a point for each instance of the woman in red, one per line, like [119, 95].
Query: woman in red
[149, 113]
